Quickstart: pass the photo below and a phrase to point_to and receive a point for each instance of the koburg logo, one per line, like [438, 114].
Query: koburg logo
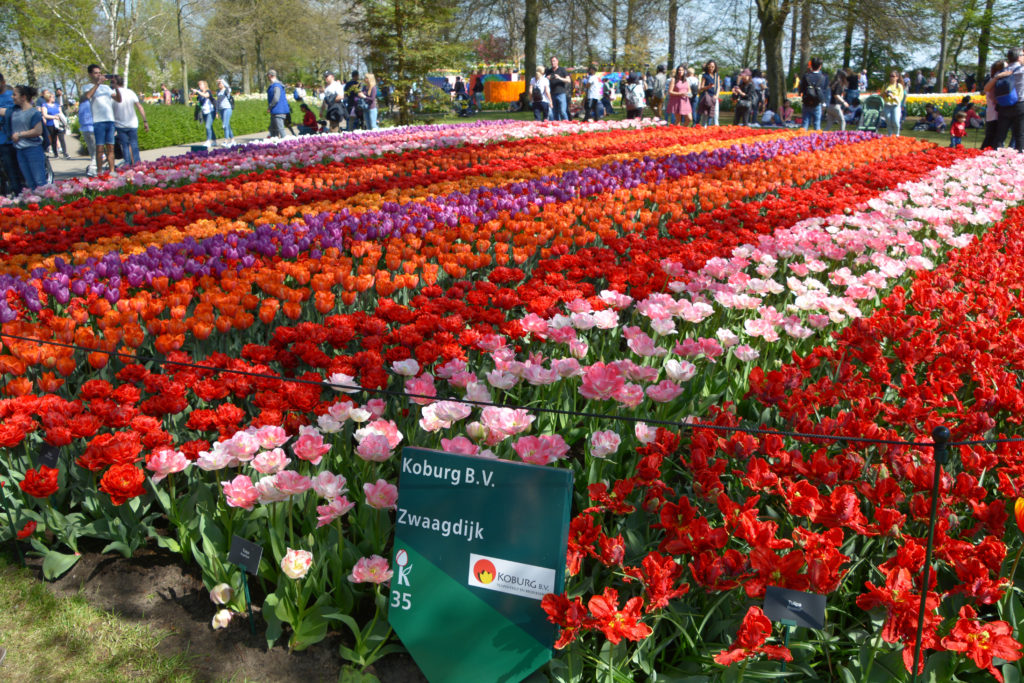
[484, 571]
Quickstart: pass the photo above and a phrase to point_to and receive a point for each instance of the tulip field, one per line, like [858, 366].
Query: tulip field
[240, 342]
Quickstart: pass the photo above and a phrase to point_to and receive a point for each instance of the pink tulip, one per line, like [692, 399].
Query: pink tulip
[381, 495]
[372, 569]
[240, 492]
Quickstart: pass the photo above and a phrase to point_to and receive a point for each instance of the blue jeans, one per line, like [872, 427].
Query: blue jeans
[541, 111]
[593, 109]
[560, 107]
[891, 112]
[225, 120]
[9, 161]
[32, 162]
[128, 139]
[208, 120]
[812, 116]
[370, 119]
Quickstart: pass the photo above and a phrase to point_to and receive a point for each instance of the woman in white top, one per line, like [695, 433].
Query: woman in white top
[224, 109]
[540, 95]
[207, 109]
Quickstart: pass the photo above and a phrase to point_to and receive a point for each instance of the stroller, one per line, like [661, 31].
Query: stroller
[871, 113]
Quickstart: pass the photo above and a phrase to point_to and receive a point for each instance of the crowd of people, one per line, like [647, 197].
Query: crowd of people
[34, 124]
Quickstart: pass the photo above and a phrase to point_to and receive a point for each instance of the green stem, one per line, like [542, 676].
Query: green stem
[1012, 575]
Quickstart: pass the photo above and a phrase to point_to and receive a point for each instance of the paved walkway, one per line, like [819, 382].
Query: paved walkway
[77, 164]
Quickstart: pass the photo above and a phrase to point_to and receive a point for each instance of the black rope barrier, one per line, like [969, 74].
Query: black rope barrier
[353, 389]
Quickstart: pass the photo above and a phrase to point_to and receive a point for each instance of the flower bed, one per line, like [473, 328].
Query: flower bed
[653, 273]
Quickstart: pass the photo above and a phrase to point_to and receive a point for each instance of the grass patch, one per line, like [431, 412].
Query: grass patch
[65, 639]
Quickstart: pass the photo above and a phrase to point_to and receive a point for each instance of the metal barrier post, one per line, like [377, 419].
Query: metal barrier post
[940, 435]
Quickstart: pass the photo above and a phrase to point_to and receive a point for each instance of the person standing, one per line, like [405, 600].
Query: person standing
[225, 107]
[852, 86]
[992, 109]
[658, 86]
[126, 122]
[102, 97]
[352, 112]
[593, 90]
[814, 94]
[710, 85]
[277, 105]
[561, 86]
[8, 155]
[165, 94]
[332, 106]
[369, 98]
[27, 137]
[633, 99]
[540, 95]
[679, 110]
[834, 111]
[743, 98]
[478, 92]
[892, 99]
[88, 137]
[56, 124]
[207, 110]
[1011, 116]
[299, 93]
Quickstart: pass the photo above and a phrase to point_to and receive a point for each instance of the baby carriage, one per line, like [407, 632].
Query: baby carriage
[461, 106]
[871, 113]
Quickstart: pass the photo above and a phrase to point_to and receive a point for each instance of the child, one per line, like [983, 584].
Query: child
[933, 119]
[958, 129]
[308, 126]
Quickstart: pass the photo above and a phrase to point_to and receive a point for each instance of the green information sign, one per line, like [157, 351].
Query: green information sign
[478, 543]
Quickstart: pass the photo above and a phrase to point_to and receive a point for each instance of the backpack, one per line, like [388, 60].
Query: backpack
[1006, 91]
[537, 94]
[814, 94]
[635, 96]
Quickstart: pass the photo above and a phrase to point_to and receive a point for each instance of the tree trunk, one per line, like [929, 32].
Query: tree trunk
[615, 32]
[792, 39]
[182, 57]
[848, 34]
[866, 50]
[748, 39]
[940, 72]
[805, 35]
[246, 72]
[772, 15]
[531, 20]
[984, 38]
[673, 24]
[29, 59]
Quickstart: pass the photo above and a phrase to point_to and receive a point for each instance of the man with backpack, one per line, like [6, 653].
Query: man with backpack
[813, 89]
[332, 108]
[1009, 93]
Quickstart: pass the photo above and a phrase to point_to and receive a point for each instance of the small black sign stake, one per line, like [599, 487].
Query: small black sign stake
[246, 555]
[49, 456]
[794, 608]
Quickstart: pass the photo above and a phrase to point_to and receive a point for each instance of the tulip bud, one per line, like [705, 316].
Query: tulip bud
[221, 619]
[221, 594]
[476, 431]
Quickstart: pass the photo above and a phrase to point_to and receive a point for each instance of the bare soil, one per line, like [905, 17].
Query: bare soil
[154, 588]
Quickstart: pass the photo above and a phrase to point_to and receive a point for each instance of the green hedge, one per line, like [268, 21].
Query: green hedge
[174, 125]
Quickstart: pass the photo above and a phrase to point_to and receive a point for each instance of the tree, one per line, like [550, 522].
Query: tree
[402, 42]
[772, 15]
